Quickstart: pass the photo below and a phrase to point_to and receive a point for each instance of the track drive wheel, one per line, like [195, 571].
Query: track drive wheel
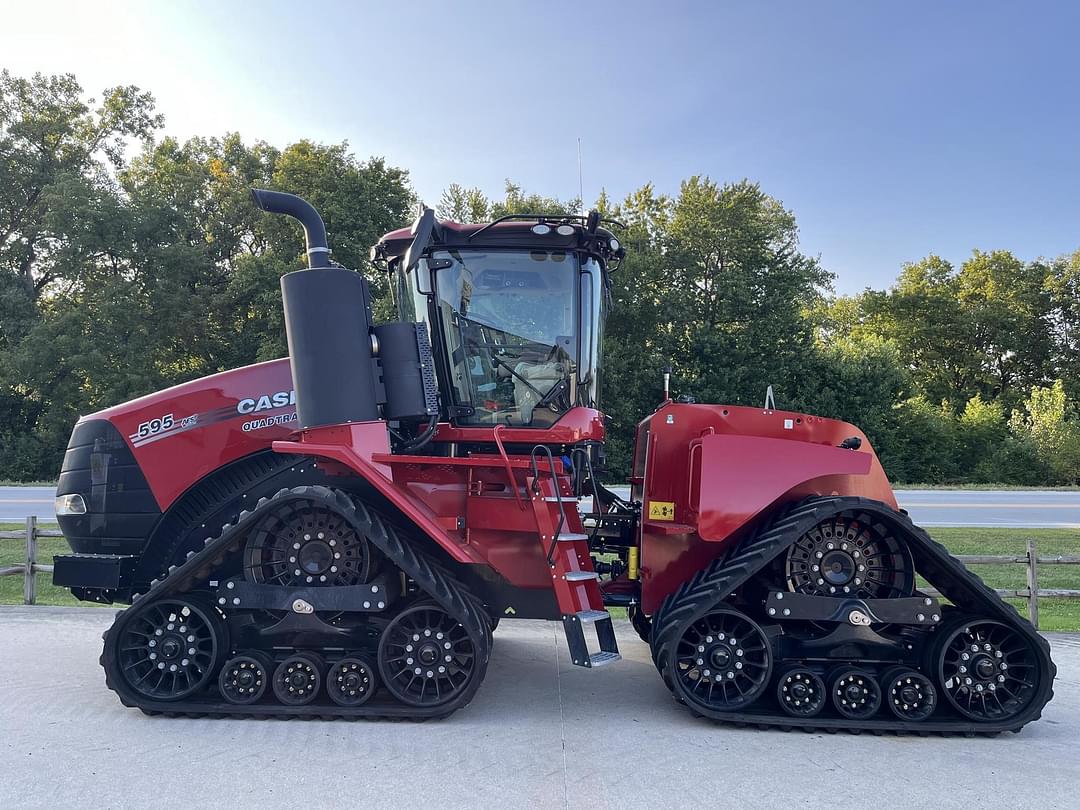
[850, 555]
[307, 544]
[426, 658]
[171, 648]
[722, 662]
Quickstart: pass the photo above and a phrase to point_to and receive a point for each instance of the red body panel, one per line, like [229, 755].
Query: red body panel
[214, 419]
[466, 505]
[706, 473]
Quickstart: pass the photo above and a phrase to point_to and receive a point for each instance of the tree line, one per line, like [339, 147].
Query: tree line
[130, 262]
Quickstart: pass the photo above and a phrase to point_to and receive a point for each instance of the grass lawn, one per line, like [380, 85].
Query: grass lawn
[1054, 614]
[13, 552]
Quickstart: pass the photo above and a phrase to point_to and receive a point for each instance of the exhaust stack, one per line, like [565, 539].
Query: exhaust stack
[328, 323]
[278, 202]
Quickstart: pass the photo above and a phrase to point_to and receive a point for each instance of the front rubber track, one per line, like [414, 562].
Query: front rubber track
[200, 565]
[712, 585]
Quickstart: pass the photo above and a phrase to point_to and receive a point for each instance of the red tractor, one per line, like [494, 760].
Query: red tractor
[339, 533]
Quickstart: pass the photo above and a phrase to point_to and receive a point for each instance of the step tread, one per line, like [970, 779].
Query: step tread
[603, 658]
[590, 616]
[581, 576]
[572, 537]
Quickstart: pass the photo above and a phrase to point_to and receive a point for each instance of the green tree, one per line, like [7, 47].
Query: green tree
[1004, 306]
[1049, 423]
[982, 430]
[461, 204]
[738, 291]
[1063, 289]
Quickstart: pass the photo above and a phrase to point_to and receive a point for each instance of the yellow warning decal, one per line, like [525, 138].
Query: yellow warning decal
[661, 510]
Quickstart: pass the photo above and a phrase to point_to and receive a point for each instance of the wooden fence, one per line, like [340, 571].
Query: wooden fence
[29, 567]
[1030, 560]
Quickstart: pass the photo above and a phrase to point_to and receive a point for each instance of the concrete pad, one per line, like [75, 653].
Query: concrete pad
[540, 733]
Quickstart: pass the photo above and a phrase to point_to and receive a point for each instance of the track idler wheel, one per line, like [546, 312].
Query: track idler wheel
[987, 670]
[801, 692]
[426, 657]
[855, 694]
[298, 678]
[722, 663]
[351, 681]
[170, 649]
[244, 677]
[909, 694]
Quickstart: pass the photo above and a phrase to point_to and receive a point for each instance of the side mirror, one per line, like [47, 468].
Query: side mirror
[422, 230]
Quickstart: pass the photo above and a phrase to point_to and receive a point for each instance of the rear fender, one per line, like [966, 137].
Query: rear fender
[353, 447]
[739, 477]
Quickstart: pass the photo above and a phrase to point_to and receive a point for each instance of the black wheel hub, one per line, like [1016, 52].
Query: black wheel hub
[846, 555]
[297, 680]
[720, 656]
[801, 693]
[306, 544]
[723, 661]
[839, 567]
[351, 681]
[316, 557]
[243, 679]
[988, 670]
[909, 694]
[426, 657]
[855, 694]
[169, 649]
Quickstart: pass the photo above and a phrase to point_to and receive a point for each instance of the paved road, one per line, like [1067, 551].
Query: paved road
[18, 502]
[541, 733]
[1029, 509]
[1016, 508]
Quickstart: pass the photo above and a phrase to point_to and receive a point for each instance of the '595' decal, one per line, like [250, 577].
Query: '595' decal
[161, 427]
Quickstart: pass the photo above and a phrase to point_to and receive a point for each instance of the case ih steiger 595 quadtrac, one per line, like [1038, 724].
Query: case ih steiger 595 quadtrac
[338, 533]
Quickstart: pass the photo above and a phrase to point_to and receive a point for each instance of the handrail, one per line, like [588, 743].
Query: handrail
[509, 468]
[545, 450]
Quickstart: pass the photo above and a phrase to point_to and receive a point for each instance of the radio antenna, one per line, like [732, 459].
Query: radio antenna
[580, 185]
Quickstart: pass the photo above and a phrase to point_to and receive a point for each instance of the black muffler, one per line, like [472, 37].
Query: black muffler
[328, 323]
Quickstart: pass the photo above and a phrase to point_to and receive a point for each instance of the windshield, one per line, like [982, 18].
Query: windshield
[509, 327]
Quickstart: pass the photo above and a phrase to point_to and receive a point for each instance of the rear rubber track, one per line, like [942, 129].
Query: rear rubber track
[200, 565]
[711, 586]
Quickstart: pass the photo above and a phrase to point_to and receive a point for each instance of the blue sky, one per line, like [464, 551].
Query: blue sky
[891, 130]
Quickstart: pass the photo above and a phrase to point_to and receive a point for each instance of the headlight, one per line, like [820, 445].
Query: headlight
[70, 505]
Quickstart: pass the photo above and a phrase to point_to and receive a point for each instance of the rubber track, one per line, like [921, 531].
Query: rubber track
[200, 565]
[712, 585]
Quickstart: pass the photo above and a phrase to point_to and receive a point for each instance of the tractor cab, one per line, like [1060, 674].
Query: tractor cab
[514, 311]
